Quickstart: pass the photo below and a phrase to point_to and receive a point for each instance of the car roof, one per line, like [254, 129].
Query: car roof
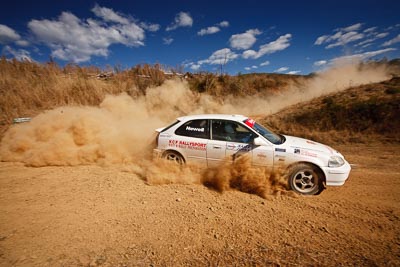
[231, 117]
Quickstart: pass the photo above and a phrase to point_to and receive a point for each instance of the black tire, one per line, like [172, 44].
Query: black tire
[174, 157]
[305, 179]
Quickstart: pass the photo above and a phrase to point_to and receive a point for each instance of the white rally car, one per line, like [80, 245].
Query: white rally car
[212, 138]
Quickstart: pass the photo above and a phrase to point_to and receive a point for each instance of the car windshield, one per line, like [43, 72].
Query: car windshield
[266, 133]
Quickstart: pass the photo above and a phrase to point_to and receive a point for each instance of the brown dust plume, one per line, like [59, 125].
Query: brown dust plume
[121, 129]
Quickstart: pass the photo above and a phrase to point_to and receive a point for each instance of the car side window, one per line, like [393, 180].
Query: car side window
[231, 131]
[194, 128]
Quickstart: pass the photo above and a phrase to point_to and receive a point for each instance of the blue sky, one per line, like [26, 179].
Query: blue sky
[248, 36]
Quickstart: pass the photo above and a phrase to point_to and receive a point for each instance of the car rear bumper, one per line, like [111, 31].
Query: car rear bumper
[337, 176]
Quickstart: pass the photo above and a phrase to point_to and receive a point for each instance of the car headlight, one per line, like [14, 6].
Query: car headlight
[336, 161]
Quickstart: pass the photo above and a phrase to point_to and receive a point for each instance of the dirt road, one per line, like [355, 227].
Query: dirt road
[92, 216]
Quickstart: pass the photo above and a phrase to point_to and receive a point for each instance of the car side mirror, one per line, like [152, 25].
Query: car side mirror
[258, 141]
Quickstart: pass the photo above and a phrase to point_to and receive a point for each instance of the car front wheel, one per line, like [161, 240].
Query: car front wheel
[305, 179]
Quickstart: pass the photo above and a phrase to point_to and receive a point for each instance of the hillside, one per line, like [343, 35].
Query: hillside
[354, 115]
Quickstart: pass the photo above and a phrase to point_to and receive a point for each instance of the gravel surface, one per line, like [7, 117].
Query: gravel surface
[103, 216]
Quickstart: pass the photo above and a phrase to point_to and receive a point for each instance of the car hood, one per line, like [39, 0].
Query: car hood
[296, 142]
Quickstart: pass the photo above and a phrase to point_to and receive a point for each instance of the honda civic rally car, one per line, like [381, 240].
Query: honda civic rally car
[212, 138]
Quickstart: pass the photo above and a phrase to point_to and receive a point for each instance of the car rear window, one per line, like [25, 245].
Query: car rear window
[194, 128]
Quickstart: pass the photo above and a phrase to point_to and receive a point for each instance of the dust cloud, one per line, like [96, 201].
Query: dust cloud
[335, 79]
[121, 129]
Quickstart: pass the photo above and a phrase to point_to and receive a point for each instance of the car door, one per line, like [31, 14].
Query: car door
[216, 147]
[230, 140]
[263, 155]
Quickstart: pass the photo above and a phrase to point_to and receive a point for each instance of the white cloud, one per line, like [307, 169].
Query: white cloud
[244, 40]
[320, 63]
[351, 28]
[182, 19]
[213, 29]
[366, 45]
[247, 68]
[22, 43]
[195, 66]
[352, 33]
[393, 27]
[265, 63]
[366, 41]
[220, 57]
[279, 44]
[320, 40]
[224, 23]
[249, 54]
[151, 27]
[168, 40]
[342, 39]
[375, 36]
[209, 30]
[342, 36]
[282, 69]
[392, 41]
[372, 29]
[360, 57]
[382, 35]
[293, 72]
[20, 54]
[254, 67]
[73, 39]
[107, 14]
[8, 35]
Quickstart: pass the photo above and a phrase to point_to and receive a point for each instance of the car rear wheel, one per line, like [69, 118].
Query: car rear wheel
[305, 179]
[174, 157]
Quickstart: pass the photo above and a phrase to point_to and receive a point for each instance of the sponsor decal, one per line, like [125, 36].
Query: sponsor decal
[187, 145]
[280, 149]
[308, 153]
[188, 128]
[250, 122]
[230, 146]
[237, 147]
[305, 152]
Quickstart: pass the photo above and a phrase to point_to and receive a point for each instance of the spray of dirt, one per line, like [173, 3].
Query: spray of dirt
[121, 129]
[238, 175]
[242, 176]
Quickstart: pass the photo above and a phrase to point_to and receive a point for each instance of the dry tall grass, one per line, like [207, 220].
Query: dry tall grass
[27, 88]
